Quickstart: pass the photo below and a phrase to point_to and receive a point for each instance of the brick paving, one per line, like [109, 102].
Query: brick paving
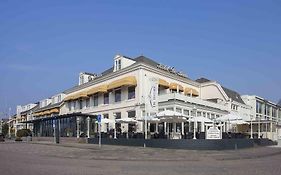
[73, 158]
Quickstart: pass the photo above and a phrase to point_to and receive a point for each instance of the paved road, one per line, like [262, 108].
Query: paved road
[68, 159]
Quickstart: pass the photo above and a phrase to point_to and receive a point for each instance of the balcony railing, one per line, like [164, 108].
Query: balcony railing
[198, 101]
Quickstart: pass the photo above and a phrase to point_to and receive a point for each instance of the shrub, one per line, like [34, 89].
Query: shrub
[23, 133]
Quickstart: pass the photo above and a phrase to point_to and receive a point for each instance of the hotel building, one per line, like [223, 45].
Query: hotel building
[136, 88]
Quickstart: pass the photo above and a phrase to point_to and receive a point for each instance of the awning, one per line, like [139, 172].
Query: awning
[195, 92]
[127, 81]
[102, 88]
[75, 96]
[164, 83]
[188, 91]
[175, 86]
[56, 110]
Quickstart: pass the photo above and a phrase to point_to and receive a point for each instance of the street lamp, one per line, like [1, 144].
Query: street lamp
[251, 126]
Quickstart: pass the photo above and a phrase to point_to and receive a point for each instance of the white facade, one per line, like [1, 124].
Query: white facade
[169, 98]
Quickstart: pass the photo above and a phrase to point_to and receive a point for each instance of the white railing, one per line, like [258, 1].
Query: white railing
[181, 97]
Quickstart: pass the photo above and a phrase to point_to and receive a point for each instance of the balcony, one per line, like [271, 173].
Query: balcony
[198, 101]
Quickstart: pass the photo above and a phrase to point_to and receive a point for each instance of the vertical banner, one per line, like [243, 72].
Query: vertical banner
[151, 104]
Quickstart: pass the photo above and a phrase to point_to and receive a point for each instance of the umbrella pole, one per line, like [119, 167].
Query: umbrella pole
[194, 129]
[115, 130]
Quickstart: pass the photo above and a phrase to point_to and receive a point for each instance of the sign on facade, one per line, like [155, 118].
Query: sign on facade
[213, 133]
[151, 104]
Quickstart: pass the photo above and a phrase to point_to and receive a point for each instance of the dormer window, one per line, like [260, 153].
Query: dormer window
[118, 65]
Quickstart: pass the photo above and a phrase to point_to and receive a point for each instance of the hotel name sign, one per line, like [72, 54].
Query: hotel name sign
[171, 70]
[213, 133]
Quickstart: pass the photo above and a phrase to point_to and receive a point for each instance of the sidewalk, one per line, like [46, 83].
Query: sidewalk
[125, 153]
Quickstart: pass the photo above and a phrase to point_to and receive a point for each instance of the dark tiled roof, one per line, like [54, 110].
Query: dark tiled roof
[108, 71]
[145, 60]
[50, 106]
[202, 80]
[233, 95]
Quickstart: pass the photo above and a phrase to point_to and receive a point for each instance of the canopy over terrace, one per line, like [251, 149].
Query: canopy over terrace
[174, 118]
[73, 122]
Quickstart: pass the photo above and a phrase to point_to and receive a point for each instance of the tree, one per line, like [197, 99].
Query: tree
[5, 129]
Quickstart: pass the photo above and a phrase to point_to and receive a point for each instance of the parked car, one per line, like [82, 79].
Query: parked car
[2, 138]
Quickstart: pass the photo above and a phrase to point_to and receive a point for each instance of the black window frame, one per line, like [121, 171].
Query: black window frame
[131, 92]
[116, 99]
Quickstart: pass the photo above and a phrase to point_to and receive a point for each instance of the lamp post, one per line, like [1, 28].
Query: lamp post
[88, 127]
[251, 127]
[195, 122]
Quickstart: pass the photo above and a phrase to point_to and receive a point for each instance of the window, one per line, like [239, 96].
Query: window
[80, 104]
[199, 114]
[105, 116]
[131, 92]
[87, 103]
[178, 110]
[186, 112]
[119, 64]
[74, 105]
[131, 114]
[161, 109]
[118, 115]
[96, 100]
[106, 98]
[69, 105]
[118, 95]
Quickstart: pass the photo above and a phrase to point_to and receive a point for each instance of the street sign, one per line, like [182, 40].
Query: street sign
[99, 118]
[99, 121]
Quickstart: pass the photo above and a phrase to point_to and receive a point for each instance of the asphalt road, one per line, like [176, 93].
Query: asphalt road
[68, 159]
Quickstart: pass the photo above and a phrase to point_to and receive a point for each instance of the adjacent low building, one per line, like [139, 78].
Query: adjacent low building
[265, 116]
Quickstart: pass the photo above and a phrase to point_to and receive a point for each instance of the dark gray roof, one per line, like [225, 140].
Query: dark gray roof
[145, 60]
[202, 80]
[108, 71]
[50, 106]
[235, 96]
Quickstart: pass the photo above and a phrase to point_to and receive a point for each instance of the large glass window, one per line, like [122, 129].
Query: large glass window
[96, 100]
[118, 95]
[131, 92]
[106, 98]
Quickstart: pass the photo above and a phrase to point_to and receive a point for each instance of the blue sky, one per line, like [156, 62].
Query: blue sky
[45, 44]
